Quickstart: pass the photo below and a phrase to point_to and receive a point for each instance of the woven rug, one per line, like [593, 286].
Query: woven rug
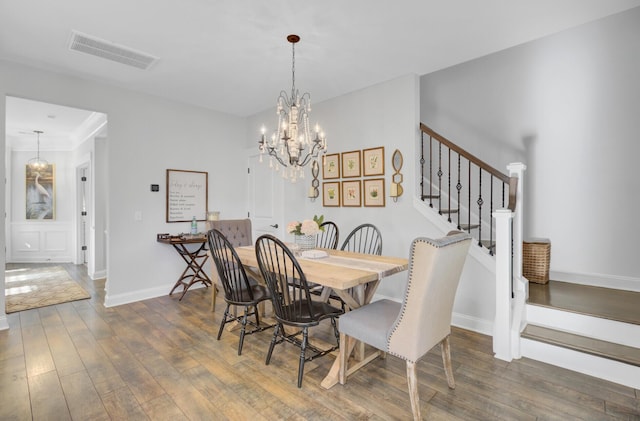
[40, 287]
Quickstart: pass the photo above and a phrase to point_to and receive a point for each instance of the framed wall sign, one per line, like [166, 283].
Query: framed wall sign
[373, 161]
[187, 195]
[374, 192]
[331, 166]
[351, 193]
[40, 191]
[331, 194]
[351, 164]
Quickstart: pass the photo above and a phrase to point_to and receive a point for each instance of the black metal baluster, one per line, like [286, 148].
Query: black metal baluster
[459, 187]
[422, 166]
[491, 218]
[430, 171]
[469, 197]
[480, 201]
[440, 178]
[449, 184]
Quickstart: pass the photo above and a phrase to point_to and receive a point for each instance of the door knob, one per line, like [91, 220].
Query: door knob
[274, 225]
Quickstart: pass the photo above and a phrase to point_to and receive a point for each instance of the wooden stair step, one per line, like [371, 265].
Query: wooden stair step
[606, 303]
[430, 196]
[489, 244]
[448, 211]
[468, 227]
[604, 349]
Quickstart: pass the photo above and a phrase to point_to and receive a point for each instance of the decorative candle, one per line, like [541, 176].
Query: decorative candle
[394, 190]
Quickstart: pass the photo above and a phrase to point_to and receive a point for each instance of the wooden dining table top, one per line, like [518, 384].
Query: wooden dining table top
[341, 270]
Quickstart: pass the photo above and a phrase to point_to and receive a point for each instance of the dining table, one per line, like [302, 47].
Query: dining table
[354, 277]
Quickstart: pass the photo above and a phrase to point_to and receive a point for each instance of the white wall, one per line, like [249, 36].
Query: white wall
[147, 135]
[567, 106]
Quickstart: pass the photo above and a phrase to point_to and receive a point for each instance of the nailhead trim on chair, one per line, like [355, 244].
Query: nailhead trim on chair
[437, 243]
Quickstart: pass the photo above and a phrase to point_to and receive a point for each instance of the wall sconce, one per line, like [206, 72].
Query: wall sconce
[396, 178]
[314, 190]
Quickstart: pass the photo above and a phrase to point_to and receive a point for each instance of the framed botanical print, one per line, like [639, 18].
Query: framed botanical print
[351, 164]
[40, 192]
[331, 166]
[373, 161]
[331, 194]
[351, 195]
[374, 192]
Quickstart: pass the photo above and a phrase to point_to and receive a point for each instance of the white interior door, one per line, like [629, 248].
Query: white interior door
[265, 198]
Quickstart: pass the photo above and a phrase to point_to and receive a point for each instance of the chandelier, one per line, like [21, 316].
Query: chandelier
[37, 163]
[292, 144]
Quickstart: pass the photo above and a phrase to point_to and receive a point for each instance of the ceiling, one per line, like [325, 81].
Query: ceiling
[232, 56]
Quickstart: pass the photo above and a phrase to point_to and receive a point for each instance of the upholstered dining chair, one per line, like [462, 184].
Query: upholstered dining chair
[238, 232]
[365, 238]
[238, 290]
[292, 301]
[410, 329]
[328, 238]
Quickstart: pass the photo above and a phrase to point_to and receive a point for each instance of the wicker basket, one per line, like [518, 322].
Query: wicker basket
[536, 255]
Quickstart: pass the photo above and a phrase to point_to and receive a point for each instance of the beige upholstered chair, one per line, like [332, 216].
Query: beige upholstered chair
[238, 232]
[410, 329]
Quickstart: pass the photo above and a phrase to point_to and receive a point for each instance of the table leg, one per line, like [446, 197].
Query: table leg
[361, 295]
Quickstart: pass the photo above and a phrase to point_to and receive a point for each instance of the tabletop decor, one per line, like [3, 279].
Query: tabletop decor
[304, 233]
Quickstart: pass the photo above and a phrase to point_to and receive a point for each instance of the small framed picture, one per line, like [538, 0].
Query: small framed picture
[331, 194]
[331, 166]
[373, 161]
[351, 193]
[351, 164]
[374, 192]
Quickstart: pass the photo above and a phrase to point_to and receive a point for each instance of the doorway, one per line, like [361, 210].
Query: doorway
[67, 141]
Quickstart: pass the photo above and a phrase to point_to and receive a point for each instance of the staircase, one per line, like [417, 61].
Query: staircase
[592, 330]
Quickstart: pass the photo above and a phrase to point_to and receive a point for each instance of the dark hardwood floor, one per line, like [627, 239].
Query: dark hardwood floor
[159, 359]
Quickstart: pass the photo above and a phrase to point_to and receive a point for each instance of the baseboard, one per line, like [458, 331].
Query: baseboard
[4, 323]
[100, 274]
[144, 294]
[603, 368]
[625, 283]
[472, 323]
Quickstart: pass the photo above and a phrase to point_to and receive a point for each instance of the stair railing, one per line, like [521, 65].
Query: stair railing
[442, 161]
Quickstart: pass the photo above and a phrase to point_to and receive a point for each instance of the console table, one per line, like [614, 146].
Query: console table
[194, 258]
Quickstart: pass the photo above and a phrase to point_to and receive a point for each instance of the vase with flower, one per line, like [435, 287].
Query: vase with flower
[305, 232]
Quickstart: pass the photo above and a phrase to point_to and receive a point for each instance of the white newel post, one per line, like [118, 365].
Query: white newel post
[520, 285]
[502, 323]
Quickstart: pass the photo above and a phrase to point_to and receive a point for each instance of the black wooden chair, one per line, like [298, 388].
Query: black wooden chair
[365, 238]
[328, 238]
[292, 301]
[239, 290]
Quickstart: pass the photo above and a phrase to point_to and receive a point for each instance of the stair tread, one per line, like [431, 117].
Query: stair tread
[449, 210]
[606, 303]
[467, 227]
[610, 350]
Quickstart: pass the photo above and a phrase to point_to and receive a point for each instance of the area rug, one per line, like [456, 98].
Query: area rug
[40, 287]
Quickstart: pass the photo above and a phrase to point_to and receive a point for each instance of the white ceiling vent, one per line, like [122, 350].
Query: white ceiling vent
[105, 49]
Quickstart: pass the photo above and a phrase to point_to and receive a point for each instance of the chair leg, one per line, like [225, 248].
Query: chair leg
[276, 331]
[413, 390]
[343, 358]
[243, 329]
[445, 348]
[257, 315]
[224, 321]
[303, 347]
